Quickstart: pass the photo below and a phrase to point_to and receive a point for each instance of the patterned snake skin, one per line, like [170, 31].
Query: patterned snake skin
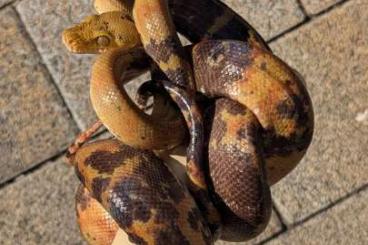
[259, 124]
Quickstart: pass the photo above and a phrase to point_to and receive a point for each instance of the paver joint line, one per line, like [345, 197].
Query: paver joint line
[7, 4]
[307, 19]
[32, 170]
[36, 123]
[285, 229]
[34, 44]
[302, 8]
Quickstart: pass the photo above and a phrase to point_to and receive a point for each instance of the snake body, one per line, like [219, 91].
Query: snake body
[110, 100]
[141, 194]
[262, 118]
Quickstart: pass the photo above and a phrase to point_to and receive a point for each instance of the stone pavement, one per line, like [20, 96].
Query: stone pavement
[44, 103]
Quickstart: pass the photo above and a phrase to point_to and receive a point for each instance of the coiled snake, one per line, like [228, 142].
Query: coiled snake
[258, 115]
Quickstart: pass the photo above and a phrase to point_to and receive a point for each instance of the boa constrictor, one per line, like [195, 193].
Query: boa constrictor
[259, 121]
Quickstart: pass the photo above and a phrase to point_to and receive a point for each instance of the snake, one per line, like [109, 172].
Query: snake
[262, 116]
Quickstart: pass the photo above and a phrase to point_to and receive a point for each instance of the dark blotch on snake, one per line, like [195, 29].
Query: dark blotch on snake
[167, 213]
[287, 109]
[105, 162]
[249, 130]
[193, 218]
[171, 190]
[136, 239]
[175, 75]
[175, 194]
[264, 66]
[163, 50]
[139, 64]
[120, 203]
[141, 211]
[172, 236]
[99, 185]
[235, 108]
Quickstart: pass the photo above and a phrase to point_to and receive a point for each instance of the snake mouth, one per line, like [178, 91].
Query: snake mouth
[75, 43]
[72, 41]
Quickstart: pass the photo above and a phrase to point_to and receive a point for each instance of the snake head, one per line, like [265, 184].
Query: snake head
[99, 33]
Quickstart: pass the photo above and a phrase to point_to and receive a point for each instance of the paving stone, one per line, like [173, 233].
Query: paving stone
[316, 6]
[346, 223]
[39, 208]
[45, 22]
[331, 53]
[35, 124]
[3, 2]
[273, 228]
[270, 18]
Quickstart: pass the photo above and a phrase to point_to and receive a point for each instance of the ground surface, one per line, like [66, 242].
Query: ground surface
[44, 104]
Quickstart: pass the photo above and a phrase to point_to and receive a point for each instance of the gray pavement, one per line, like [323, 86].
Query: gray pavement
[44, 103]
[331, 54]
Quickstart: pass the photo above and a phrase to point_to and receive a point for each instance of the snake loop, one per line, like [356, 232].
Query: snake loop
[161, 42]
[259, 122]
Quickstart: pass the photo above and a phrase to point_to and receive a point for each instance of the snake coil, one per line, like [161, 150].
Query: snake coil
[256, 110]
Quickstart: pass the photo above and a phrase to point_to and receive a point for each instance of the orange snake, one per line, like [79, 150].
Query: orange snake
[264, 120]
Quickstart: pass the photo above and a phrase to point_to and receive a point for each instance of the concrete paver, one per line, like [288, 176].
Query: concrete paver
[45, 21]
[35, 124]
[39, 208]
[270, 18]
[3, 2]
[346, 223]
[316, 6]
[331, 53]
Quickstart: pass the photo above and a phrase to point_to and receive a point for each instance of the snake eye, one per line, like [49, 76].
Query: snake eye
[103, 41]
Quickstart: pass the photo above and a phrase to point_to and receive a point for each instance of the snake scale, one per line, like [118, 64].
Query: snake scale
[257, 112]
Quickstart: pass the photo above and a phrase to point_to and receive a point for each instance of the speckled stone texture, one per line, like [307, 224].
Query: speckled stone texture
[331, 53]
[45, 21]
[274, 227]
[35, 124]
[39, 208]
[270, 18]
[316, 6]
[3, 2]
[345, 223]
